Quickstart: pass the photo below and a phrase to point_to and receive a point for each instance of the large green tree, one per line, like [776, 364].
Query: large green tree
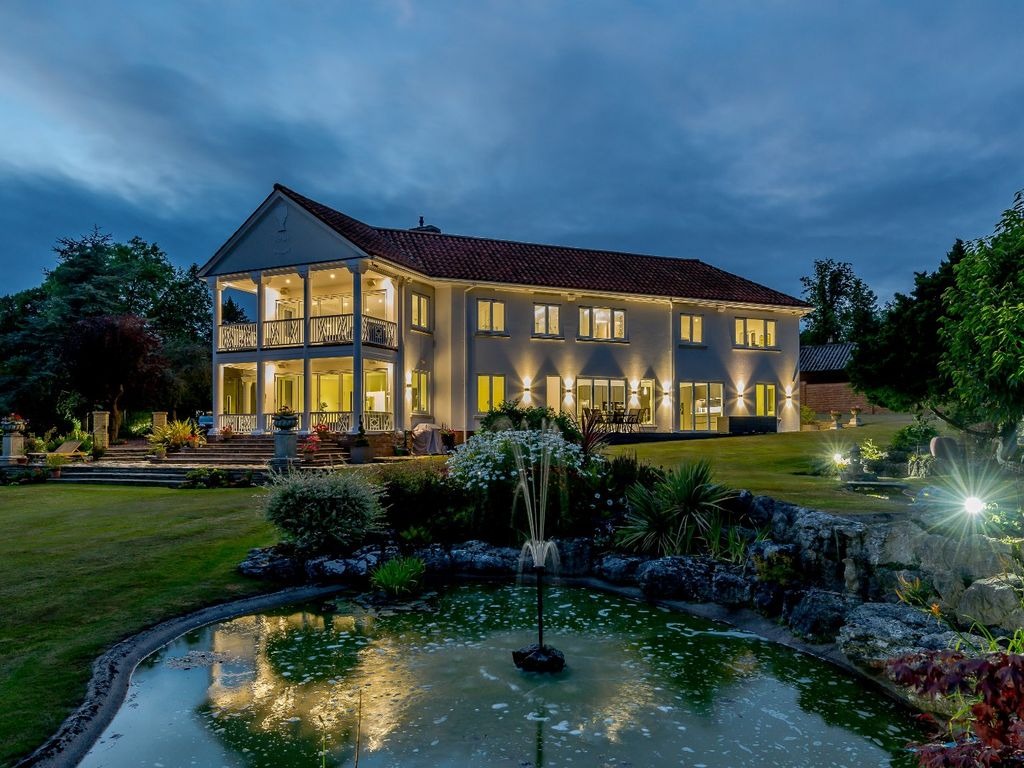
[983, 329]
[96, 277]
[845, 308]
[897, 364]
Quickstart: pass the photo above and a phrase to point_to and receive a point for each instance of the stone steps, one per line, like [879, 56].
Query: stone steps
[152, 475]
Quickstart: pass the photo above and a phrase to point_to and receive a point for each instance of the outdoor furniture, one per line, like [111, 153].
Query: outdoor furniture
[69, 448]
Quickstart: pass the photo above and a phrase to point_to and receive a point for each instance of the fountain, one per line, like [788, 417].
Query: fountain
[532, 484]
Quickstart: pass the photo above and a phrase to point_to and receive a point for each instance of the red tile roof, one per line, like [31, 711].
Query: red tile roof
[459, 257]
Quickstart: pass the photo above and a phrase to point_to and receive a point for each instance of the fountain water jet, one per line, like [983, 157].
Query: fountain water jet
[532, 483]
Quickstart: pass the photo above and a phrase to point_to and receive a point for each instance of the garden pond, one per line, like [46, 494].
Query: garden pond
[644, 686]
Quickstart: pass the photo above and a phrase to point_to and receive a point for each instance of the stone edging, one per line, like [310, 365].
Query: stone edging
[111, 673]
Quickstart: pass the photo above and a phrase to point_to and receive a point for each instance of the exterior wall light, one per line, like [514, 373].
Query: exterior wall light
[526, 386]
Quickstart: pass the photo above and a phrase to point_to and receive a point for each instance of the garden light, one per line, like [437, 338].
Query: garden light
[973, 505]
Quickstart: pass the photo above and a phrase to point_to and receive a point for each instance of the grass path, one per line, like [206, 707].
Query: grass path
[780, 465]
[83, 566]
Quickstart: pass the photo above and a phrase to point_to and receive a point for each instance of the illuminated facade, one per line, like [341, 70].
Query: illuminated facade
[390, 327]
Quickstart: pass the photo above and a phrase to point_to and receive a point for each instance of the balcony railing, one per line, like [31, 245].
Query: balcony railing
[282, 333]
[378, 421]
[338, 329]
[330, 329]
[335, 421]
[380, 333]
[240, 423]
[268, 421]
[237, 336]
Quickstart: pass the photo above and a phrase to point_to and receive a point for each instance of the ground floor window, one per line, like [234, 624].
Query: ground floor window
[490, 392]
[605, 395]
[553, 387]
[644, 401]
[700, 405]
[420, 392]
[764, 400]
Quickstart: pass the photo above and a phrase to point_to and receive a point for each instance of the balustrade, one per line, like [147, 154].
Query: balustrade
[282, 333]
[335, 421]
[237, 336]
[330, 329]
[240, 423]
[381, 333]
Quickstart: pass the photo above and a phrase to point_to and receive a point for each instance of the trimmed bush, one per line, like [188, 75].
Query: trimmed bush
[331, 512]
[511, 415]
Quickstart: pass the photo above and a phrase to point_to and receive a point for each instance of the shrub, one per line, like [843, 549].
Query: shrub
[511, 415]
[920, 465]
[486, 458]
[807, 415]
[871, 452]
[324, 511]
[176, 435]
[666, 518]
[914, 437]
[399, 576]
[203, 477]
[421, 496]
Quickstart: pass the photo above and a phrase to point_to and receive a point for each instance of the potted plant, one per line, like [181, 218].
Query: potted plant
[158, 453]
[310, 445]
[13, 423]
[361, 452]
[447, 438]
[55, 461]
[285, 419]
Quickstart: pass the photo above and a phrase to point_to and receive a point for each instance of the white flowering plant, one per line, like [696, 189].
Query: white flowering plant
[486, 459]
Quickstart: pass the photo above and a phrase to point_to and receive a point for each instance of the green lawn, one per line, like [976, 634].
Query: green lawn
[83, 566]
[780, 465]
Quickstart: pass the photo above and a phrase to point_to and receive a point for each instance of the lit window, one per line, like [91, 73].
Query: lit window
[691, 329]
[490, 316]
[764, 396]
[421, 312]
[701, 406]
[753, 332]
[420, 392]
[545, 320]
[602, 323]
[490, 392]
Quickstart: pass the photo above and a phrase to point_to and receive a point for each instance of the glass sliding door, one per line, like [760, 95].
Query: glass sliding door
[701, 406]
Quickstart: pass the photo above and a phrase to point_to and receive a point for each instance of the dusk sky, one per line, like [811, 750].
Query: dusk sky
[757, 136]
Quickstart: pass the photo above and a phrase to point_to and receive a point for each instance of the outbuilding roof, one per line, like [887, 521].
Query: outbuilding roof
[820, 358]
[459, 257]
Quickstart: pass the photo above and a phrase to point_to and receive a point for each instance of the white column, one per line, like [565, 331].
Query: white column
[307, 377]
[261, 395]
[357, 269]
[217, 378]
[261, 297]
[402, 408]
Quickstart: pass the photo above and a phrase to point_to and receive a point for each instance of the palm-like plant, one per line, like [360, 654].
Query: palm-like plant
[664, 519]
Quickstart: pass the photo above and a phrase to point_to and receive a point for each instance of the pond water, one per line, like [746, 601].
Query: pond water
[644, 686]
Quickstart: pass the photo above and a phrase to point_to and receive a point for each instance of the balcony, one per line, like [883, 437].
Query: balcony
[235, 337]
[323, 330]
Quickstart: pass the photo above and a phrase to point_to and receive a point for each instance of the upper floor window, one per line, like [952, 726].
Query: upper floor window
[420, 312]
[602, 323]
[752, 332]
[764, 400]
[490, 392]
[420, 392]
[691, 329]
[490, 316]
[545, 320]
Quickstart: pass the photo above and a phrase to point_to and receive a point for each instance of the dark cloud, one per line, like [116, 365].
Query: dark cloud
[757, 136]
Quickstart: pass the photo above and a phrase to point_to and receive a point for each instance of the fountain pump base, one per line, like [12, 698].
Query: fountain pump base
[539, 658]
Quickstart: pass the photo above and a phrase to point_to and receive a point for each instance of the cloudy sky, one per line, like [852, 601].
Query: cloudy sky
[757, 136]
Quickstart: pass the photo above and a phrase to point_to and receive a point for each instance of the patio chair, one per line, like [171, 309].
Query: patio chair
[69, 448]
[632, 420]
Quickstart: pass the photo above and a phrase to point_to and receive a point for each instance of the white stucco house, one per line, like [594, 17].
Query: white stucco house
[401, 326]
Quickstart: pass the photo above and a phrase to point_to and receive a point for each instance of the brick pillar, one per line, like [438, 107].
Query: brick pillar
[159, 419]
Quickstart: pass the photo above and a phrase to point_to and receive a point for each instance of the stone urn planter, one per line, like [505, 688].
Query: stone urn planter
[13, 426]
[285, 421]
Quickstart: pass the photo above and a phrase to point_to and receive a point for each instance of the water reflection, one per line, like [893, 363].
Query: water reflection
[645, 687]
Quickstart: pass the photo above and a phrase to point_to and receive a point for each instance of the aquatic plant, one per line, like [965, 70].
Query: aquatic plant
[399, 576]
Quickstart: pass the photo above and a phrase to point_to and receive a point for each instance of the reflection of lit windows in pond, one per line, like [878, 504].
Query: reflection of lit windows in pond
[700, 406]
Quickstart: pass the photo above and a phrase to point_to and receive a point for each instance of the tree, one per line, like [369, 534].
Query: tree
[114, 360]
[845, 308]
[897, 365]
[983, 329]
[231, 313]
[98, 278]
